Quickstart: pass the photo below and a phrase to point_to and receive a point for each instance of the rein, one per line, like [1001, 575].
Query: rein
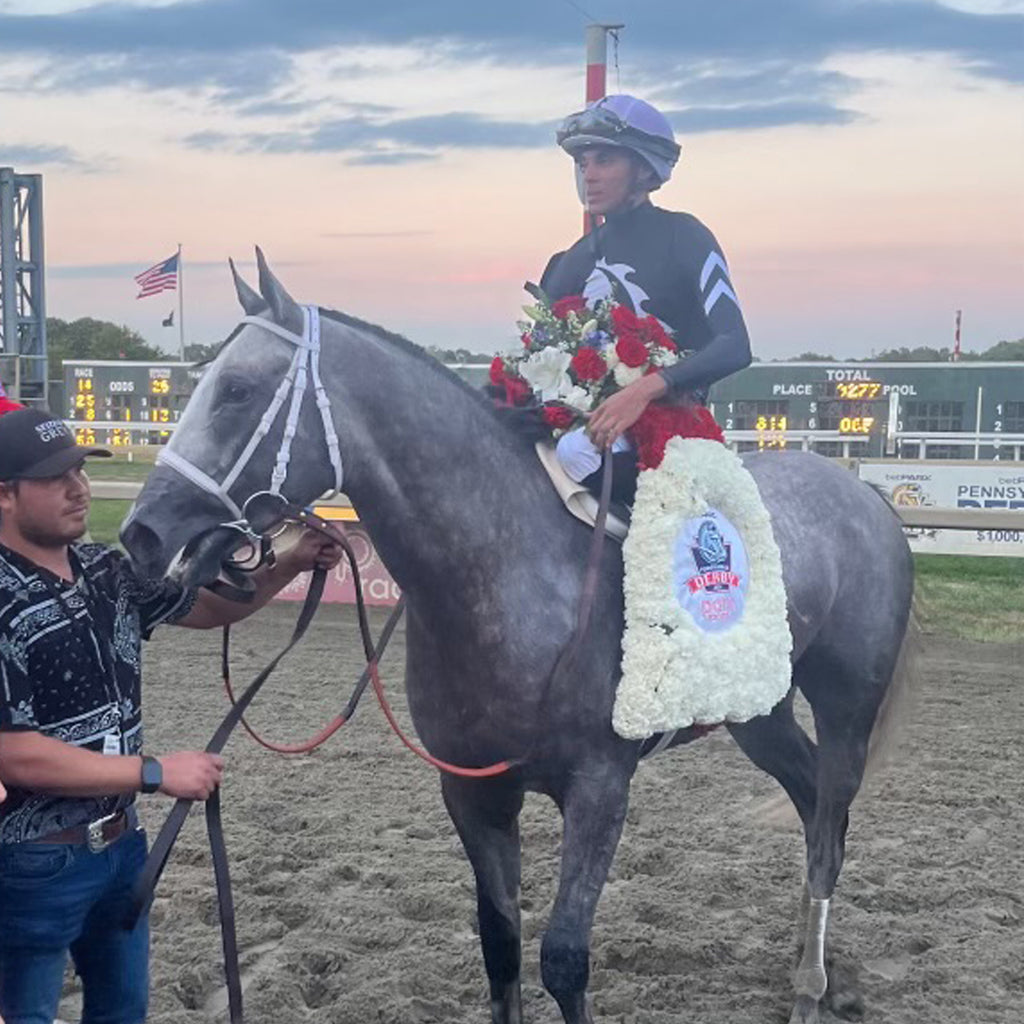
[372, 673]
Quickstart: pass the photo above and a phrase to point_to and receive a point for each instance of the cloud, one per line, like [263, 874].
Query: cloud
[407, 140]
[233, 78]
[284, 108]
[766, 115]
[731, 64]
[729, 82]
[40, 156]
[378, 141]
[127, 271]
[388, 158]
[800, 29]
[376, 234]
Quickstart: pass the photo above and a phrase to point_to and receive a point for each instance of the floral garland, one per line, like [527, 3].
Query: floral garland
[674, 673]
[574, 355]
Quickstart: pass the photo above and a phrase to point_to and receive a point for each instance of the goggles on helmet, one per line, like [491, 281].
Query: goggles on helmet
[601, 122]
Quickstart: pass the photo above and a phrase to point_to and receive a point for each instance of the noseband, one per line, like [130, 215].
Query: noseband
[305, 364]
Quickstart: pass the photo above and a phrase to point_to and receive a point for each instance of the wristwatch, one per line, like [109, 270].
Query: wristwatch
[152, 774]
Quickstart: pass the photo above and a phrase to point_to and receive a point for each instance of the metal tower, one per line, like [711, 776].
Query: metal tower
[22, 290]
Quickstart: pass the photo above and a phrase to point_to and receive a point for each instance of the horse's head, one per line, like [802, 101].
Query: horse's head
[220, 479]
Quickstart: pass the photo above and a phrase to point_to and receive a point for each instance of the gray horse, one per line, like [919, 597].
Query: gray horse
[491, 563]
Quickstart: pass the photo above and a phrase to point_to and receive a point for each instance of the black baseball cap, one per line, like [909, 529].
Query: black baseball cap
[35, 445]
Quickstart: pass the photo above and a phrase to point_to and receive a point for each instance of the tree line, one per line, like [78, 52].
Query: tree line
[1001, 352]
[87, 338]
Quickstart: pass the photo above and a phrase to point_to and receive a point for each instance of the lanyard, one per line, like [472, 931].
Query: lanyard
[96, 635]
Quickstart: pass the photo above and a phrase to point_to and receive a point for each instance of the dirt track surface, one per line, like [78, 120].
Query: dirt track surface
[356, 905]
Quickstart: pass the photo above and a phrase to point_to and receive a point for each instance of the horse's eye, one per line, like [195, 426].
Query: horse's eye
[234, 393]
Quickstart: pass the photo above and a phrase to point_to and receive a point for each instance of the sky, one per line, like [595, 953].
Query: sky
[860, 161]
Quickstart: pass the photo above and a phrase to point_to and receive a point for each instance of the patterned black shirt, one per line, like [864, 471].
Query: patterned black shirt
[70, 668]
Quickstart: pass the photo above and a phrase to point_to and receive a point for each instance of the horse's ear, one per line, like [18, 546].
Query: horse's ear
[285, 309]
[252, 302]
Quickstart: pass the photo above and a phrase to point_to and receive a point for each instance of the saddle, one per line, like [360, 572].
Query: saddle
[576, 498]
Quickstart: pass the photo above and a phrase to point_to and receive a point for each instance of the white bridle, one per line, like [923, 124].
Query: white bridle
[305, 364]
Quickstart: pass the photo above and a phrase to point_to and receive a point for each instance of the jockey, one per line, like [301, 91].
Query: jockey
[668, 264]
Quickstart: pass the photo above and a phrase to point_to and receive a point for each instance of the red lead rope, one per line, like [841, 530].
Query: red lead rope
[315, 522]
[499, 768]
[279, 748]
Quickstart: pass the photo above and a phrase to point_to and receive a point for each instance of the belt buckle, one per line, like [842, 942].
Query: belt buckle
[95, 839]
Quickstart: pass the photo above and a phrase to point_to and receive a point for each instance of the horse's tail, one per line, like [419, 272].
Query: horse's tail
[899, 697]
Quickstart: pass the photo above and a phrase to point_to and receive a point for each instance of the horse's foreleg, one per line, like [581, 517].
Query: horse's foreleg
[593, 807]
[486, 815]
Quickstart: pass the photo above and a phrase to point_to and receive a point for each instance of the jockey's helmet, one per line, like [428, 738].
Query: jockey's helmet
[625, 121]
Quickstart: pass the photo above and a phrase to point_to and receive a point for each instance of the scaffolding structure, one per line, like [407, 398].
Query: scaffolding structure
[23, 355]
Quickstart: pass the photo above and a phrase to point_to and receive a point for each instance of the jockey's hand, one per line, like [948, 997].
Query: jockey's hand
[312, 551]
[617, 413]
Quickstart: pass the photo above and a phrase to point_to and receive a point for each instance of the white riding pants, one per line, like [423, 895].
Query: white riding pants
[580, 457]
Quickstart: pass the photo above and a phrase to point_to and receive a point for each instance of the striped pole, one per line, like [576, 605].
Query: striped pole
[956, 338]
[597, 80]
[597, 61]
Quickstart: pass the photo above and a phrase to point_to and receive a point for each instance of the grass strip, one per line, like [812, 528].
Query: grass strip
[972, 598]
[966, 597]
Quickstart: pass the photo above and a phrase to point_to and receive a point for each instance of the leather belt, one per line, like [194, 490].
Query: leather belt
[97, 835]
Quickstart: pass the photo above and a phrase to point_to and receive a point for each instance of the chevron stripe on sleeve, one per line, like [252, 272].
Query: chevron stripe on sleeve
[714, 282]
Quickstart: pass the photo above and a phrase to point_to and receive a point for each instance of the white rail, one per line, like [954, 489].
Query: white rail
[961, 439]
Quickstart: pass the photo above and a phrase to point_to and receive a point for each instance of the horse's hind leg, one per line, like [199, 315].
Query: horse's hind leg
[845, 700]
[822, 781]
[593, 806]
[778, 745]
[486, 815]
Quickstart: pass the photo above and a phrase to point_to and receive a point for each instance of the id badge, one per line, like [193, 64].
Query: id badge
[112, 743]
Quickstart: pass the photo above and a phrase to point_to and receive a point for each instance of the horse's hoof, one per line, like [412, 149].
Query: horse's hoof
[507, 1007]
[805, 1011]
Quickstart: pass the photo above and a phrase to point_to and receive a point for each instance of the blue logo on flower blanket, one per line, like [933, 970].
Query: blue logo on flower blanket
[710, 571]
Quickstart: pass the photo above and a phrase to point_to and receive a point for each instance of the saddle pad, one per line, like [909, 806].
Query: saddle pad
[578, 500]
[706, 638]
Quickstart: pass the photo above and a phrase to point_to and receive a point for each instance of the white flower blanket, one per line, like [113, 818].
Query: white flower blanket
[706, 637]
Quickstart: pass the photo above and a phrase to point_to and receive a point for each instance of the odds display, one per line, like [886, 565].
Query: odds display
[122, 402]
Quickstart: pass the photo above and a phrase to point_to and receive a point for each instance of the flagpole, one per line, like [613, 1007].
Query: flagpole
[181, 306]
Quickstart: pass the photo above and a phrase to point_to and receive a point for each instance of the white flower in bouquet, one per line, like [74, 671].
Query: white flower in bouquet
[576, 397]
[545, 372]
[625, 375]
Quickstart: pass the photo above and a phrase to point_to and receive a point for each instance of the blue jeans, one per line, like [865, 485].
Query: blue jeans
[56, 898]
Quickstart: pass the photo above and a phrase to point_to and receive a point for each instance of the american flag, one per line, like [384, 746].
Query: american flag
[162, 277]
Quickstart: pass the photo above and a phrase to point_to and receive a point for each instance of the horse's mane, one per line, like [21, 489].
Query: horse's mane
[398, 340]
[525, 422]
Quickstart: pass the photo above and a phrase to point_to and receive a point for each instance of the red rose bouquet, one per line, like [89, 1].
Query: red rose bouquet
[574, 355]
